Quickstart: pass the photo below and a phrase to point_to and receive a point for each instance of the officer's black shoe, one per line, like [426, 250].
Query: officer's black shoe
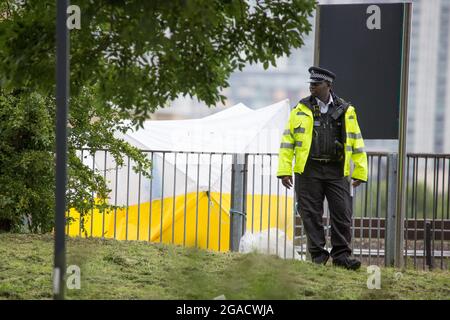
[347, 263]
[320, 259]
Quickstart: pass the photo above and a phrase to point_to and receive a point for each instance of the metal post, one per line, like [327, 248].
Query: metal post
[390, 225]
[316, 37]
[401, 191]
[238, 173]
[62, 105]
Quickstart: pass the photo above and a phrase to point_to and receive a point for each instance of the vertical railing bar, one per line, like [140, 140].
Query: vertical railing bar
[366, 209]
[150, 200]
[412, 202]
[407, 210]
[80, 224]
[436, 191]
[253, 191]
[448, 191]
[185, 199]
[174, 196]
[270, 196]
[370, 208]
[262, 193]
[139, 207]
[413, 191]
[163, 175]
[436, 218]
[387, 179]
[366, 197]
[293, 220]
[361, 218]
[209, 201]
[355, 192]
[416, 178]
[220, 200]
[278, 212]
[285, 222]
[196, 208]
[442, 215]
[104, 178]
[424, 208]
[128, 196]
[115, 200]
[378, 206]
[93, 199]
[244, 193]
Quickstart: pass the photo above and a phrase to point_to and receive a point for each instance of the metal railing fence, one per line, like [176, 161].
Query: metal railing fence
[209, 200]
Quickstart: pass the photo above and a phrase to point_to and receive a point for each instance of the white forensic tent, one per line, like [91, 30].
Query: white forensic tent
[187, 201]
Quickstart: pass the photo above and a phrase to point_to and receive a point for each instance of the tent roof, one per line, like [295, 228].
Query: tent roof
[238, 109]
[237, 129]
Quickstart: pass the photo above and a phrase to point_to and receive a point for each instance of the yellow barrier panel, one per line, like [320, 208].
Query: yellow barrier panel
[264, 212]
[190, 227]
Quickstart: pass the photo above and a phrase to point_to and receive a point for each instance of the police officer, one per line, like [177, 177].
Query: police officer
[323, 134]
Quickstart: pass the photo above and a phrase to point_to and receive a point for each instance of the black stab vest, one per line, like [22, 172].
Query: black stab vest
[327, 141]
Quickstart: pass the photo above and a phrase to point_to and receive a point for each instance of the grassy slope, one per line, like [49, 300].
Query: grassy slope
[136, 270]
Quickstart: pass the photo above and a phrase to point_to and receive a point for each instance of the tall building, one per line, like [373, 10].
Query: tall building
[429, 80]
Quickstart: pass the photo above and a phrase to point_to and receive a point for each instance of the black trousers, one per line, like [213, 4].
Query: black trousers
[311, 188]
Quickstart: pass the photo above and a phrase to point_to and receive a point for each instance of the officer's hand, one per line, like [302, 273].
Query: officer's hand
[356, 183]
[287, 181]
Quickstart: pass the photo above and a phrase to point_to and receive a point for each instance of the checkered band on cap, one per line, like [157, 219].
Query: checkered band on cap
[321, 76]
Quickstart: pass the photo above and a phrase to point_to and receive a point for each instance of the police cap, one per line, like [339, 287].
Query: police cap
[319, 74]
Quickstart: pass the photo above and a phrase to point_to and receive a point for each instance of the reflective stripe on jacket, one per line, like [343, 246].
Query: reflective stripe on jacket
[297, 138]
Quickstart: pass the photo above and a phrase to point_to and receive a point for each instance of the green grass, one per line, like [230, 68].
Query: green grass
[138, 270]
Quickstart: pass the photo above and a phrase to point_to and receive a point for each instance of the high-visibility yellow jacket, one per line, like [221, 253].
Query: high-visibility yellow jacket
[297, 138]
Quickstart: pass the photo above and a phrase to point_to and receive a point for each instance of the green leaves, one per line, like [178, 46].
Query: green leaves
[26, 160]
[27, 165]
[142, 54]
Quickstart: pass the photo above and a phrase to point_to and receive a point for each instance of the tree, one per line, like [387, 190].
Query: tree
[27, 169]
[131, 57]
[141, 54]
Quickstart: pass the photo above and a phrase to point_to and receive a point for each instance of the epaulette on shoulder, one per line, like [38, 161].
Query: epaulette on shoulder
[296, 105]
[306, 101]
[345, 103]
